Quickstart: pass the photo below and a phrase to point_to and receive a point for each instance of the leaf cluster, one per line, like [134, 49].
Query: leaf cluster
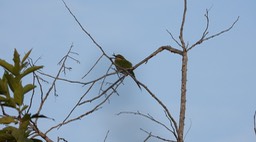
[12, 93]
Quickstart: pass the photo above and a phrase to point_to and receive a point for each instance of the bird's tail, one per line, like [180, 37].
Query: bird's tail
[138, 84]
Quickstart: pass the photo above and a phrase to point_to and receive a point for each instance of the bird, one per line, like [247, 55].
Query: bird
[125, 67]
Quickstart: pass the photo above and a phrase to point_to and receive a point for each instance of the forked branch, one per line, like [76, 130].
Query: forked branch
[205, 33]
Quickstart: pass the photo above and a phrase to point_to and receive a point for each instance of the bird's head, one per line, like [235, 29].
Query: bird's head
[119, 57]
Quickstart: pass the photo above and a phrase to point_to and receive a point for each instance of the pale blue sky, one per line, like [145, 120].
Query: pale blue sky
[221, 72]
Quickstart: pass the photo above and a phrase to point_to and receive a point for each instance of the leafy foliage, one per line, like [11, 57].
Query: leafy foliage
[12, 93]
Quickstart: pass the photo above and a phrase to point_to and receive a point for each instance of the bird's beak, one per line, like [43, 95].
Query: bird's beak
[114, 56]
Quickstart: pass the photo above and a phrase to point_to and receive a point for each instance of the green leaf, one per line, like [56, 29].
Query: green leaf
[16, 60]
[26, 56]
[24, 122]
[5, 134]
[24, 108]
[41, 116]
[28, 88]
[30, 70]
[4, 87]
[18, 95]
[6, 138]
[16, 87]
[6, 65]
[19, 135]
[9, 103]
[11, 82]
[7, 120]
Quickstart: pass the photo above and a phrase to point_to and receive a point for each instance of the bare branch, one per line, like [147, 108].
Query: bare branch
[150, 118]
[54, 81]
[104, 79]
[172, 120]
[83, 29]
[147, 138]
[104, 92]
[37, 79]
[78, 102]
[93, 66]
[204, 38]
[182, 26]
[160, 49]
[155, 136]
[254, 118]
[61, 139]
[174, 38]
[95, 108]
[105, 139]
[77, 82]
[43, 135]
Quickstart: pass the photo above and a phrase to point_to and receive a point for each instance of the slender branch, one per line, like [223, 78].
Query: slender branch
[93, 65]
[104, 79]
[83, 29]
[104, 92]
[172, 120]
[77, 82]
[204, 38]
[155, 136]
[43, 135]
[37, 79]
[61, 139]
[171, 124]
[254, 118]
[147, 138]
[97, 107]
[54, 81]
[174, 38]
[150, 118]
[105, 139]
[224, 31]
[160, 49]
[182, 26]
[87, 91]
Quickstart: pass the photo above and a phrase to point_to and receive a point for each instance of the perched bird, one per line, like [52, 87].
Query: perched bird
[124, 66]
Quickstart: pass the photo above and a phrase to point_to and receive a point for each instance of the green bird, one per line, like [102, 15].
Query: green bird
[124, 66]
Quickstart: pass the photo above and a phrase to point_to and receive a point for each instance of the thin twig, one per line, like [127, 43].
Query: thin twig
[35, 128]
[254, 118]
[182, 26]
[80, 25]
[204, 38]
[105, 139]
[97, 107]
[87, 91]
[104, 92]
[174, 38]
[77, 82]
[93, 66]
[172, 120]
[35, 78]
[53, 83]
[155, 136]
[148, 117]
[160, 49]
